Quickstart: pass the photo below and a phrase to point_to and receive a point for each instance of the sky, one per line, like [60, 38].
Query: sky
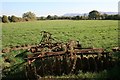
[53, 7]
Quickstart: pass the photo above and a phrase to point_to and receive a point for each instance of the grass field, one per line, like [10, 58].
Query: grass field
[97, 33]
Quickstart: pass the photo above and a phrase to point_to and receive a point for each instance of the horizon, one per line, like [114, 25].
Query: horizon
[57, 8]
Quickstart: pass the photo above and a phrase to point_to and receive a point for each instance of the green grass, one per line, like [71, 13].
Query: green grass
[97, 33]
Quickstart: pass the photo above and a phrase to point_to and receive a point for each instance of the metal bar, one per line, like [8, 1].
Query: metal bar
[77, 52]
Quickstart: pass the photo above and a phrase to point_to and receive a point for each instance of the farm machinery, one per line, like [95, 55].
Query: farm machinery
[57, 58]
[50, 57]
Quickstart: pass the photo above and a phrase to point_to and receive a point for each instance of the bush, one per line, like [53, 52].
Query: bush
[5, 19]
[29, 16]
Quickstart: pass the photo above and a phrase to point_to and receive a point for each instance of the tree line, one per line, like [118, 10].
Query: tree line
[29, 16]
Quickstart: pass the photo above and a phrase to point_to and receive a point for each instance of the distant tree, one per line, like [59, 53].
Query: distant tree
[82, 17]
[9, 18]
[73, 17]
[94, 15]
[116, 17]
[77, 17]
[20, 19]
[14, 19]
[55, 17]
[49, 17]
[41, 18]
[61, 17]
[5, 19]
[104, 16]
[85, 17]
[0, 19]
[109, 17]
[29, 16]
[113, 17]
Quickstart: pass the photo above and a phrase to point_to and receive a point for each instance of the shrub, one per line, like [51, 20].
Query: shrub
[5, 19]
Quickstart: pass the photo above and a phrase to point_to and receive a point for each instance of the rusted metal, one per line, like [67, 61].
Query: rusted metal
[77, 52]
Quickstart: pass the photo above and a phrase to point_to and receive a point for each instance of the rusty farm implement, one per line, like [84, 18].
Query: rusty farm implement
[57, 58]
[51, 57]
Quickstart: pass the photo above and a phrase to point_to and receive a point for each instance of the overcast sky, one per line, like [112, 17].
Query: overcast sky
[53, 7]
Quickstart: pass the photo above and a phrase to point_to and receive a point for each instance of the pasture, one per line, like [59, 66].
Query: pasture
[91, 33]
[96, 33]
